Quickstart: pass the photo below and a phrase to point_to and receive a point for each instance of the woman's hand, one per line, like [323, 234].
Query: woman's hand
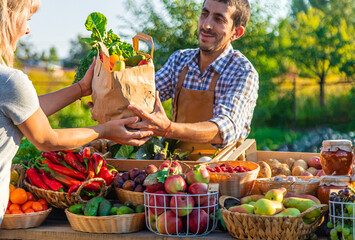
[157, 121]
[85, 83]
[116, 131]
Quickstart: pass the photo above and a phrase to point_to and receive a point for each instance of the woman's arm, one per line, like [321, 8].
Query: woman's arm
[53, 102]
[38, 131]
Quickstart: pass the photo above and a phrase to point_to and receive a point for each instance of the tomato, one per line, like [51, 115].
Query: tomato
[30, 196]
[26, 205]
[16, 211]
[14, 206]
[30, 210]
[11, 188]
[14, 176]
[37, 206]
[8, 205]
[44, 202]
[18, 196]
[7, 211]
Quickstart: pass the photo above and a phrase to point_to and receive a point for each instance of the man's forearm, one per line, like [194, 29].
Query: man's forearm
[201, 132]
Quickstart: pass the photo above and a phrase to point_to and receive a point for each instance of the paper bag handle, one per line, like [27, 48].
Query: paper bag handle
[143, 37]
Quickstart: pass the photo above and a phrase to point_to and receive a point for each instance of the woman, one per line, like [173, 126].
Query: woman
[22, 113]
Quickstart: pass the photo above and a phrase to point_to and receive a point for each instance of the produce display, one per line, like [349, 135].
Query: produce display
[341, 212]
[21, 202]
[99, 206]
[133, 179]
[178, 203]
[277, 202]
[290, 167]
[66, 171]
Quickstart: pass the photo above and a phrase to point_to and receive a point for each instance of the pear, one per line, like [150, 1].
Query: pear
[293, 212]
[311, 197]
[244, 208]
[267, 207]
[302, 205]
[119, 65]
[252, 203]
[251, 198]
[276, 194]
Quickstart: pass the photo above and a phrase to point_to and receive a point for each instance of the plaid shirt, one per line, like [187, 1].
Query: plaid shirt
[236, 90]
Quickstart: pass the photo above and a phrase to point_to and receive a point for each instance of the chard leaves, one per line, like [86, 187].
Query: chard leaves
[96, 22]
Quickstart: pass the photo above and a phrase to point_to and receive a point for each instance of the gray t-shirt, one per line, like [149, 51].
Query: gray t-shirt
[18, 101]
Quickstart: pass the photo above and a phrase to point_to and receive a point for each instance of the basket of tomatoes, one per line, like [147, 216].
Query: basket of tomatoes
[24, 210]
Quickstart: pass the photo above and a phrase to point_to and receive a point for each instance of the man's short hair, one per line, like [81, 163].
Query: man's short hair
[242, 13]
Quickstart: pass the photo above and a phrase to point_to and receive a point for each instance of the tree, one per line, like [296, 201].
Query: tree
[318, 46]
[78, 50]
[53, 57]
[172, 24]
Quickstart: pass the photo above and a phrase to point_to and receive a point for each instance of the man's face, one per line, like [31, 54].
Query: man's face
[215, 26]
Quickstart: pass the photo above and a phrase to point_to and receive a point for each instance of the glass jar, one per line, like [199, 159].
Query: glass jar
[329, 184]
[336, 157]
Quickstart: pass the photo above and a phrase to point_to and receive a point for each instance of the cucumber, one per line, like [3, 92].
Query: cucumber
[92, 206]
[133, 61]
[77, 208]
[104, 208]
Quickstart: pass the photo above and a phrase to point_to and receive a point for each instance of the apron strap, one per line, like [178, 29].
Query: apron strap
[214, 81]
[178, 90]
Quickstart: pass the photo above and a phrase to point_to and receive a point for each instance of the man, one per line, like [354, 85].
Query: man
[213, 88]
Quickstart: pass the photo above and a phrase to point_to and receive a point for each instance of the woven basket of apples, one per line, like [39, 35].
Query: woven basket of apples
[178, 204]
[235, 178]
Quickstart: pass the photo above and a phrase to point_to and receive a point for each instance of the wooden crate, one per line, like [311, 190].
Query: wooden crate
[230, 153]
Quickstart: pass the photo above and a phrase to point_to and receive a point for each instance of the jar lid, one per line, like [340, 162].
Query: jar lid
[335, 180]
[335, 145]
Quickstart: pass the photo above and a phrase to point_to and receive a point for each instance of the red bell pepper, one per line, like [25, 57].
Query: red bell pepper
[67, 171]
[36, 179]
[86, 156]
[95, 186]
[91, 174]
[51, 183]
[64, 179]
[71, 159]
[79, 156]
[98, 160]
[106, 175]
[52, 156]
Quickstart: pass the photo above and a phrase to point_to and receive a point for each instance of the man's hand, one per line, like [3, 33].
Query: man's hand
[157, 121]
[116, 131]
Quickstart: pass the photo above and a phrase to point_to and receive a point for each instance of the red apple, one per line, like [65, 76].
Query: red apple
[199, 188]
[174, 184]
[210, 205]
[151, 168]
[155, 187]
[173, 166]
[197, 221]
[158, 203]
[169, 223]
[198, 174]
[181, 204]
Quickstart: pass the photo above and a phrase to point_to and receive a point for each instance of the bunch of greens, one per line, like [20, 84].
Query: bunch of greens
[157, 148]
[96, 23]
[27, 151]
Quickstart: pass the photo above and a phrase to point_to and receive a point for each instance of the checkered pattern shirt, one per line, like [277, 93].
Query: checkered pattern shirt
[236, 90]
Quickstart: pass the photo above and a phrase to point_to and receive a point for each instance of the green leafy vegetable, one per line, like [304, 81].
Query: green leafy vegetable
[27, 151]
[96, 23]
[124, 151]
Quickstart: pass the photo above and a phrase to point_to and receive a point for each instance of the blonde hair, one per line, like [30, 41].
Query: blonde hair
[10, 11]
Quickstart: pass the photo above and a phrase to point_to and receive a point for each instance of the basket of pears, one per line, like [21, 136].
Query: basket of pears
[275, 215]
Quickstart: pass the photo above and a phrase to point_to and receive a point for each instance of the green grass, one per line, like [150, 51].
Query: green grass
[272, 138]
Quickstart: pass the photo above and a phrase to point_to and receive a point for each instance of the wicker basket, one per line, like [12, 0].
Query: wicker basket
[125, 223]
[61, 199]
[137, 198]
[262, 185]
[235, 184]
[251, 226]
[25, 220]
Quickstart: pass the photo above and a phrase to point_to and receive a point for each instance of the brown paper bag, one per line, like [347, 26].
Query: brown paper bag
[112, 92]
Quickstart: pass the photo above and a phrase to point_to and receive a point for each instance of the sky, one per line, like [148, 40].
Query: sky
[59, 21]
